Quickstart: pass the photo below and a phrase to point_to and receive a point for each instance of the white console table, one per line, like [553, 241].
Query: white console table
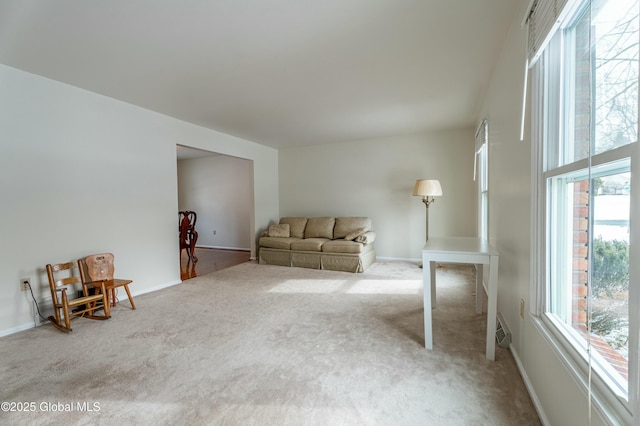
[461, 250]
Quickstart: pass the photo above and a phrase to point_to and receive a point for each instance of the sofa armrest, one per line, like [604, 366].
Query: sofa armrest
[366, 238]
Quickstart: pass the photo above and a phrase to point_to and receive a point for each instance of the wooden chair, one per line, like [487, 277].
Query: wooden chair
[65, 308]
[99, 268]
[187, 233]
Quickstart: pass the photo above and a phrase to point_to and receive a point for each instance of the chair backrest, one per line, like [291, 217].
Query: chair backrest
[70, 279]
[98, 267]
[187, 226]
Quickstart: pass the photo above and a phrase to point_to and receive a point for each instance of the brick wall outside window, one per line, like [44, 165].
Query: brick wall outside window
[582, 138]
[580, 255]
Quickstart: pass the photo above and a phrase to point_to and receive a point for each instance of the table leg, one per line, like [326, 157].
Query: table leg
[492, 311]
[479, 288]
[432, 268]
[428, 281]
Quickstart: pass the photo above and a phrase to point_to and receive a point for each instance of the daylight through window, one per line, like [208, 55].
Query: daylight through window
[587, 91]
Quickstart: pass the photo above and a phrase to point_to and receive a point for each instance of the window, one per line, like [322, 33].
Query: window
[481, 174]
[586, 93]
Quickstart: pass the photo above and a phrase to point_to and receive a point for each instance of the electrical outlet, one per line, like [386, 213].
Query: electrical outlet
[25, 283]
[522, 308]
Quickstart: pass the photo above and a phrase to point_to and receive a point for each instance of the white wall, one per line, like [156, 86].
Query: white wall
[375, 178]
[81, 173]
[220, 190]
[561, 401]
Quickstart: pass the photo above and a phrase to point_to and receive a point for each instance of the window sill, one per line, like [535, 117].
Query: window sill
[608, 405]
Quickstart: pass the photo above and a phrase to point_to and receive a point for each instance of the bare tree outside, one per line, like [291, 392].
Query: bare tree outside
[615, 50]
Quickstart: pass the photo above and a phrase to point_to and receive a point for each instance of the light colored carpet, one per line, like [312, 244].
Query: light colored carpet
[271, 345]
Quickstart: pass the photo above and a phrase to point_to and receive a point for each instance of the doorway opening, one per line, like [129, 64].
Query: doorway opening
[219, 188]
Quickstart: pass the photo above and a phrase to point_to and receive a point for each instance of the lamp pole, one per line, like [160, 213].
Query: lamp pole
[427, 202]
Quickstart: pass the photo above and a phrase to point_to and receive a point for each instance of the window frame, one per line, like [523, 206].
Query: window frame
[481, 175]
[545, 79]
[601, 165]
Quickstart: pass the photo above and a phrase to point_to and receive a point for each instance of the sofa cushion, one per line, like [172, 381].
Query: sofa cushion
[320, 227]
[296, 225]
[353, 235]
[309, 244]
[282, 230]
[346, 225]
[277, 242]
[366, 238]
[342, 246]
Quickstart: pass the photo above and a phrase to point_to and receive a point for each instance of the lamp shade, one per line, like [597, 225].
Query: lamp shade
[427, 188]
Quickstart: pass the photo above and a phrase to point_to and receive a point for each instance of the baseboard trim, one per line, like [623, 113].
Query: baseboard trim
[17, 329]
[224, 248]
[529, 386]
[156, 288]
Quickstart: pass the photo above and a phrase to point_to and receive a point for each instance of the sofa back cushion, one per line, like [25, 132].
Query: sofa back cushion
[320, 227]
[348, 225]
[281, 231]
[296, 225]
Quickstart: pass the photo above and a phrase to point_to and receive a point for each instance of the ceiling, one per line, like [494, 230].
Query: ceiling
[277, 72]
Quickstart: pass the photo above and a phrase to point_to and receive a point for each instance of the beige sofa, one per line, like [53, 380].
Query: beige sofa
[334, 243]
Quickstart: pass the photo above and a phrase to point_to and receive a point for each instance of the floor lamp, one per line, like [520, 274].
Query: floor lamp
[427, 189]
